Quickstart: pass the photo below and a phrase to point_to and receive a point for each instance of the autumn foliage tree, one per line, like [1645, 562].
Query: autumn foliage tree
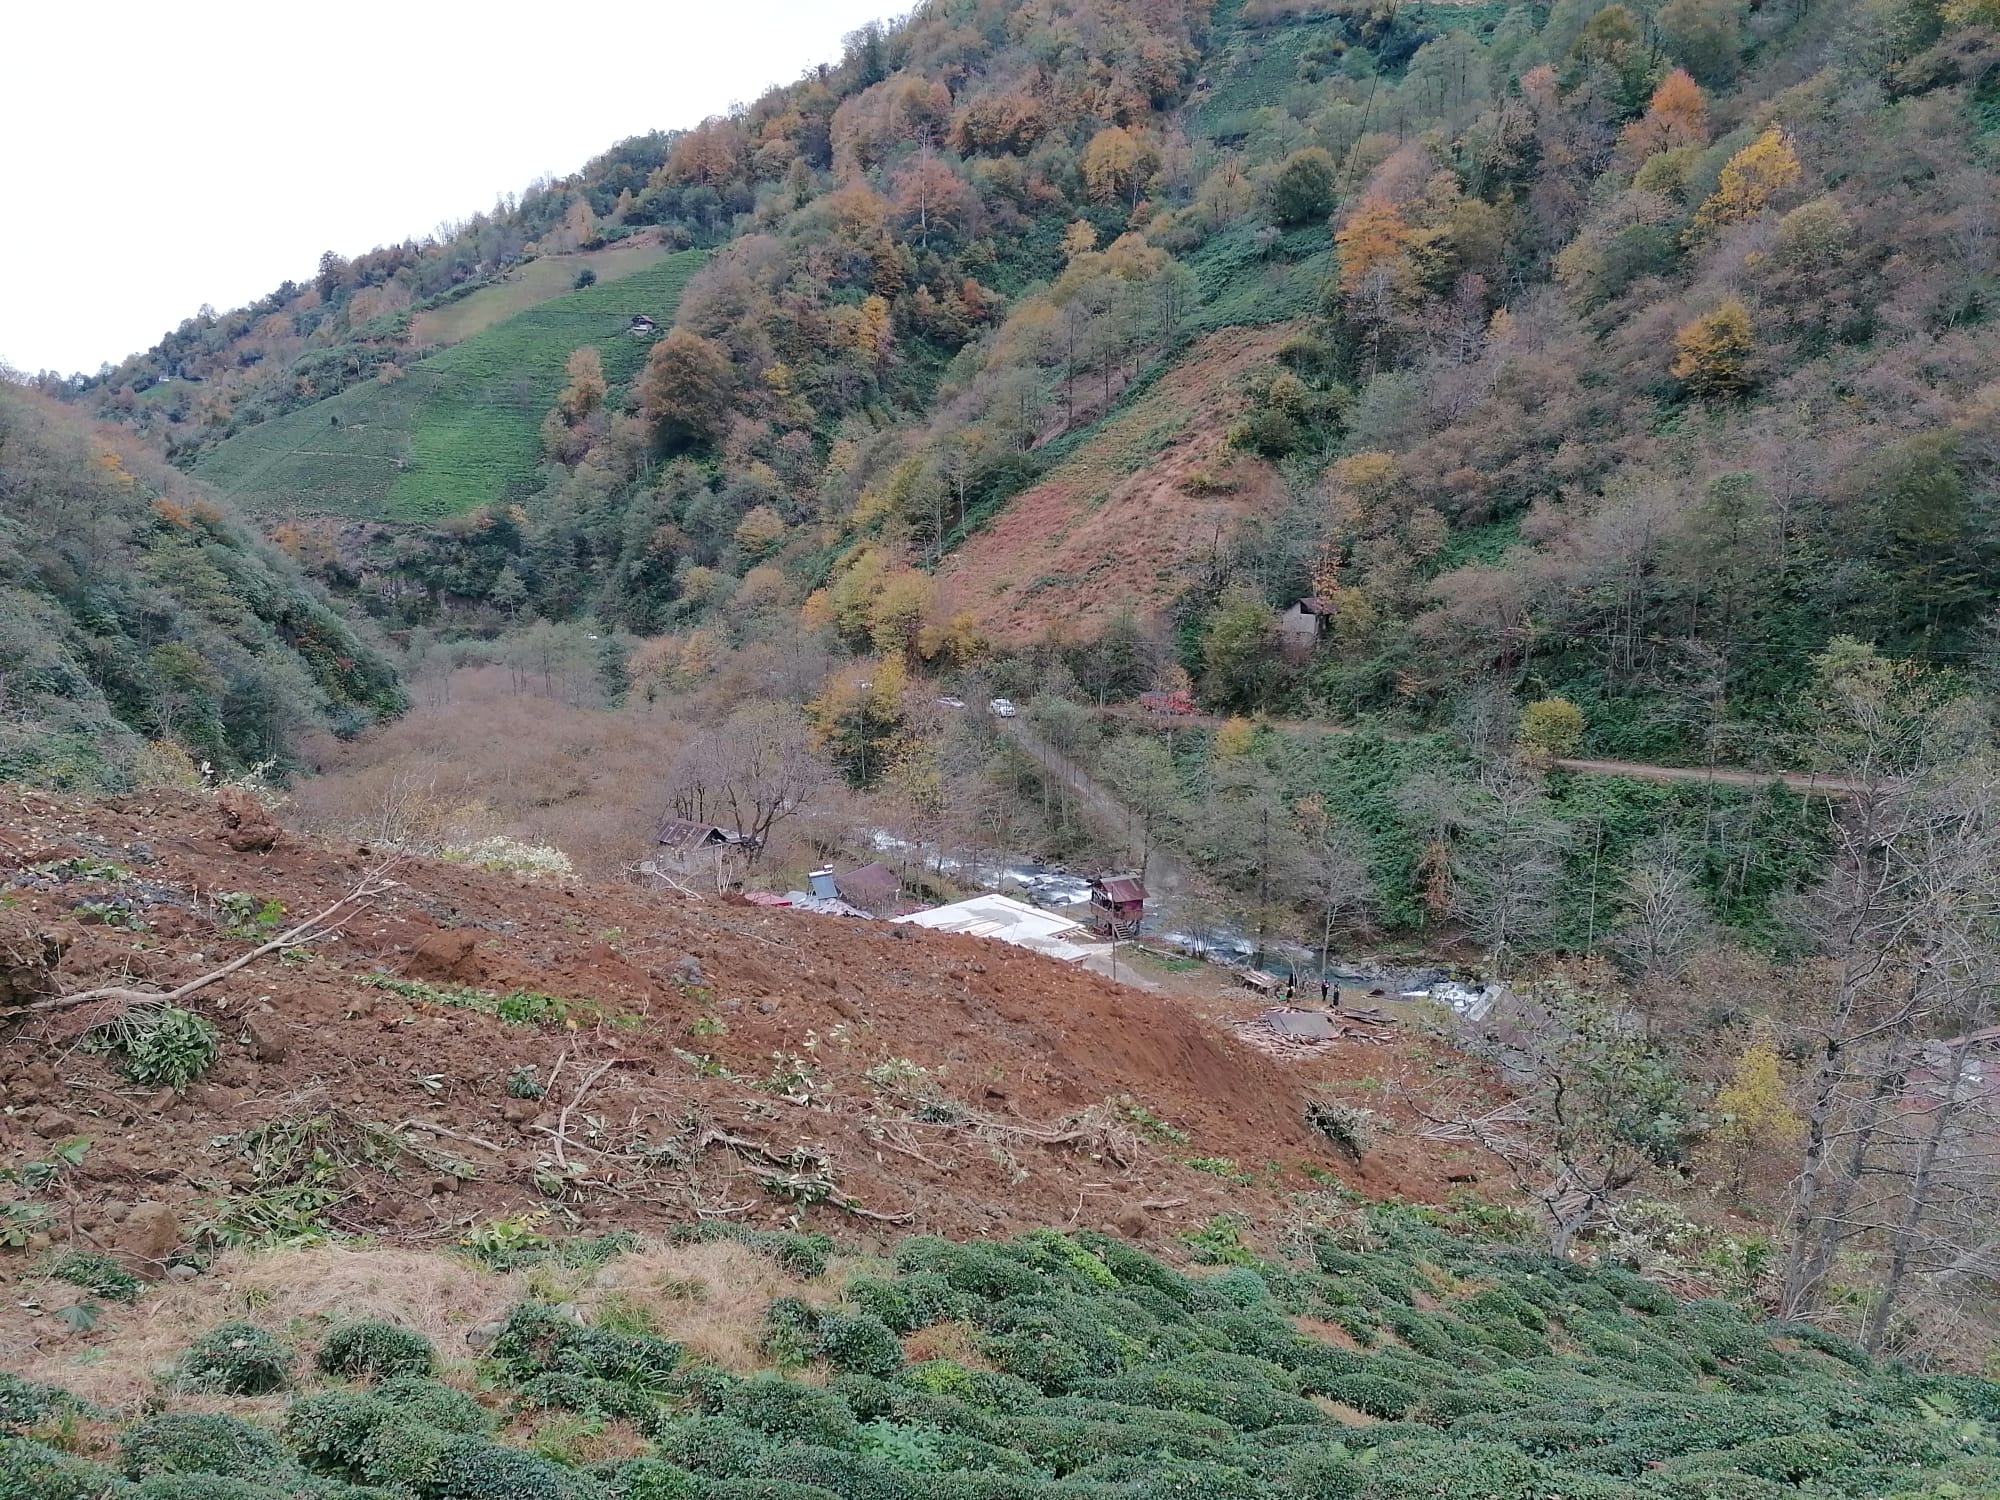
[1116, 164]
[685, 388]
[1677, 116]
[1712, 353]
[1752, 179]
[587, 386]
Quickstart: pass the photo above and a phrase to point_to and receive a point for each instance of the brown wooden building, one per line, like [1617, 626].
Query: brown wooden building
[1117, 904]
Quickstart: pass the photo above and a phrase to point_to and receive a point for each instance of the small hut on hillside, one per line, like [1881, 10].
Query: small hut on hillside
[1299, 627]
[703, 851]
[1117, 904]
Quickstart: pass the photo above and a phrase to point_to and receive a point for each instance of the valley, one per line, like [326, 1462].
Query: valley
[1125, 750]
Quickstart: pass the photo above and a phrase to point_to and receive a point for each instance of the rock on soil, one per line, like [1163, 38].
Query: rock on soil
[29, 953]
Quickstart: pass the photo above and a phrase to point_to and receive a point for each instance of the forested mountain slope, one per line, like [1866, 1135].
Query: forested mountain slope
[142, 628]
[1627, 352]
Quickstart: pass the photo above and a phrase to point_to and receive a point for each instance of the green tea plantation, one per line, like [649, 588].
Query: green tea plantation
[1387, 1361]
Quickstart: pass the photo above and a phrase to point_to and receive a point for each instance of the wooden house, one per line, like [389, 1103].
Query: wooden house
[703, 852]
[1117, 904]
[1299, 627]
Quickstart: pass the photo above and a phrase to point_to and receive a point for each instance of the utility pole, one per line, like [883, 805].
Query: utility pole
[1264, 883]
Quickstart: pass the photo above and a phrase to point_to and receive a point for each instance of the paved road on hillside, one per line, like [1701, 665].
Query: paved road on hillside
[1810, 783]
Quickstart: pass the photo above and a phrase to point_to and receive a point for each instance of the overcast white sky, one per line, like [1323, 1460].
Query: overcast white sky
[164, 155]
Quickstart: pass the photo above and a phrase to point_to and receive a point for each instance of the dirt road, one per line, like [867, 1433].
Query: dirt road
[1810, 783]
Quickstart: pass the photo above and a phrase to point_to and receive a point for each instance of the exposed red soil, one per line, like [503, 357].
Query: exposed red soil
[1118, 524]
[1024, 1043]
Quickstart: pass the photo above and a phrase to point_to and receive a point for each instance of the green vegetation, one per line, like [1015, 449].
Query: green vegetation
[237, 1359]
[146, 633]
[516, 1007]
[455, 431]
[1482, 1370]
[96, 1273]
[530, 285]
[159, 1046]
[373, 1348]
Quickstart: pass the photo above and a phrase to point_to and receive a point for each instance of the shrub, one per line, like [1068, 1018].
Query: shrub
[650, 1479]
[204, 1487]
[792, 1413]
[914, 1449]
[791, 1331]
[1135, 1268]
[1323, 1473]
[767, 1489]
[1049, 1364]
[802, 1255]
[860, 1342]
[539, 1339]
[186, 1444]
[330, 1431]
[909, 1302]
[983, 1270]
[435, 1404]
[32, 1472]
[1055, 1254]
[710, 1445]
[23, 1404]
[472, 1469]
[588, 1395]
[369, 1347]
[161, 1046]
[401, 1451]
[1237, 1287]
[237, 1359]
[98, 1274]
[853, 1476]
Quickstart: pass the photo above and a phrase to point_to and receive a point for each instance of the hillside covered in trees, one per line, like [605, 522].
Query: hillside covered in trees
[1626, 353]
[144, 630]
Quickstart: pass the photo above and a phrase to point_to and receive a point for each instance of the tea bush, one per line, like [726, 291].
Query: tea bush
[201, 1444]
[1094, 1372]
[860, 1342]
[375, 1348]
[237, 1359]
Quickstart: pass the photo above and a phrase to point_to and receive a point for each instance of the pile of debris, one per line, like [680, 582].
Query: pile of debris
[1293, 1032]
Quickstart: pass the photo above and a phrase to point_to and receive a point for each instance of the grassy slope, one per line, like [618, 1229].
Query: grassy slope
[529, 286]
[460, 430]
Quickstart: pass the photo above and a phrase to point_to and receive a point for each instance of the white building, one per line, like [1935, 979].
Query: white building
[1010, 921]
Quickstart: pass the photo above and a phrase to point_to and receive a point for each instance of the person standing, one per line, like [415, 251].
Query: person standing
[1324, 989]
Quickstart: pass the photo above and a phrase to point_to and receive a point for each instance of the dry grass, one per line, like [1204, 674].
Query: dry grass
[1326, 1333]
[296, 1293]
[491, 753]
[957, 1342]
[1341, 1412]
[710, 1297]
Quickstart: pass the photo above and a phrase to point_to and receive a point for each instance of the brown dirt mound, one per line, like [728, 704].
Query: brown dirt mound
[712, 1058]
[1117, 525]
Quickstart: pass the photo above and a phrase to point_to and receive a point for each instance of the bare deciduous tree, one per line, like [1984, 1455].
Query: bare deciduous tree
[754, 770]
